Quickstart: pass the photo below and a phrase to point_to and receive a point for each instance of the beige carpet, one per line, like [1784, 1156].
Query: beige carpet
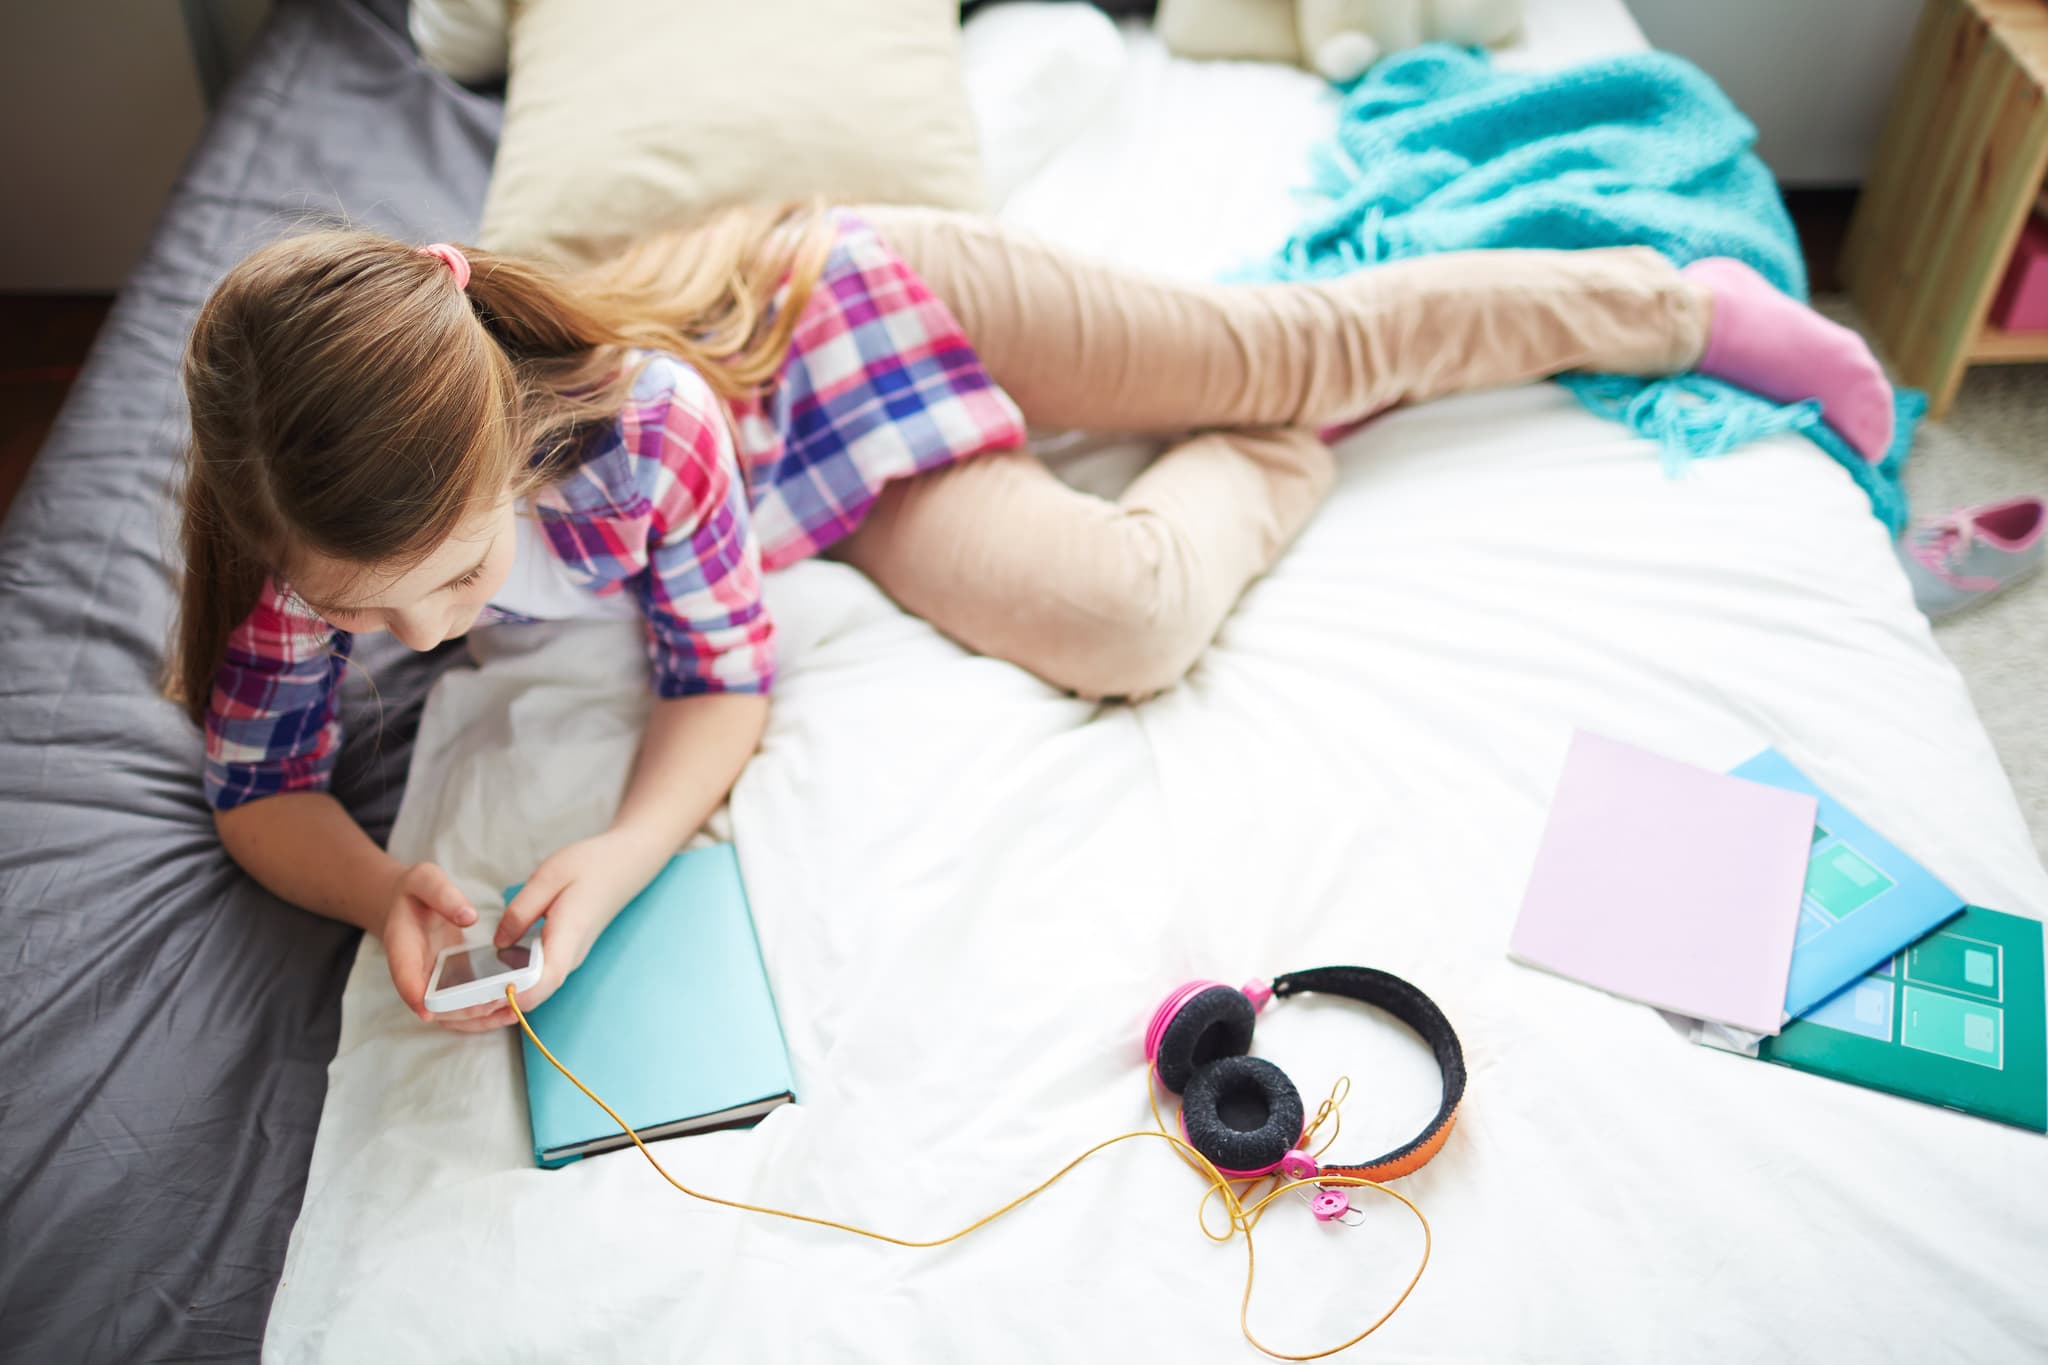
[1994, 444]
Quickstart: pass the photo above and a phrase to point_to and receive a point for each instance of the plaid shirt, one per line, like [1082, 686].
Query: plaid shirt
[683, 504]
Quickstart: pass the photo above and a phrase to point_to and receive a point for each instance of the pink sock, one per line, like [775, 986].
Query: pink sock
[1774, 345]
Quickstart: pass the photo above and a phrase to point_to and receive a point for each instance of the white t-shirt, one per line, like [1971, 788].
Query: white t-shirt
[543, 588]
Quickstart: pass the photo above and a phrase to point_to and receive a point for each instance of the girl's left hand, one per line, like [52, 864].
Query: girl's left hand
[577, 890]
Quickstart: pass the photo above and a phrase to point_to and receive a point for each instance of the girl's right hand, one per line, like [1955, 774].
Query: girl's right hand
[426, 914]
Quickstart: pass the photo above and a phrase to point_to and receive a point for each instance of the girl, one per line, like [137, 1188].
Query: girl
[421, 439]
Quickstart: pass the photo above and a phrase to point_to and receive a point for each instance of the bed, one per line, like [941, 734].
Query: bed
[217, 1129]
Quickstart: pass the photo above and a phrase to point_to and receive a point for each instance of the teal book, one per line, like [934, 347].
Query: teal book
[1863, 901]
[670, 1018]
[1958, 1019]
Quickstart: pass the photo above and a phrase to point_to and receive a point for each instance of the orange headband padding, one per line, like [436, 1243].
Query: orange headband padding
[1407, 1161]
[1369, 986]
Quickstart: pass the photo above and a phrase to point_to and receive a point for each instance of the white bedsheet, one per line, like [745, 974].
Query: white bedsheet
[970, 891]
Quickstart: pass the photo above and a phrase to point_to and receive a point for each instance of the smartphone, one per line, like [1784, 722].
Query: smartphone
[478, 973]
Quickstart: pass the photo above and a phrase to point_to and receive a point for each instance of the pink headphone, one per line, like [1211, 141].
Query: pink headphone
[1243, 1114]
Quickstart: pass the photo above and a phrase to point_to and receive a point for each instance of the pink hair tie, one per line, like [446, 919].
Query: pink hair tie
[451, 258]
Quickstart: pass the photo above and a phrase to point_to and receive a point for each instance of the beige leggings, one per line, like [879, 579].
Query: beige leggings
[1119, 598]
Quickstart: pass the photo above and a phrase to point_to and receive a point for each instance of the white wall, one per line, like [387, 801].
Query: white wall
[1815, 76]
[100, 104]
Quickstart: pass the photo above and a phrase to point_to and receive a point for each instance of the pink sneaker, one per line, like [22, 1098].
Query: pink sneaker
[1973, 553]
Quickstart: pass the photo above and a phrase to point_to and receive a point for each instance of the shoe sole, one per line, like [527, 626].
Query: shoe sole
[1989, 595]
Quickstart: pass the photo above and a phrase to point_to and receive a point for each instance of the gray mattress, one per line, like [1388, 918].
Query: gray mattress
[165, 1024]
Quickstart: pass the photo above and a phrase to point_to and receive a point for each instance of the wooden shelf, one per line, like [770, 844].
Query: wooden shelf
[1998, 347]
[1963, 157]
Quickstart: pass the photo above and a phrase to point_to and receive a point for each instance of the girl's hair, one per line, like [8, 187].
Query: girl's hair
[346, 397]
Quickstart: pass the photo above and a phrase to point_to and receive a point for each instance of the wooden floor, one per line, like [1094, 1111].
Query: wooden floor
[44, 337]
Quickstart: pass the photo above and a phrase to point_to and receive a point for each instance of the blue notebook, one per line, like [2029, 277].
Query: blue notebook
[1864, 900]
[669, 1018]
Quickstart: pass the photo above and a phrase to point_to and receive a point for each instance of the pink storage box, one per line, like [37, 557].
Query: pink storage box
[2022, 301]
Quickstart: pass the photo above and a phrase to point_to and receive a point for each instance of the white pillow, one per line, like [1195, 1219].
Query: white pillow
[1037, 74]
[467, 39]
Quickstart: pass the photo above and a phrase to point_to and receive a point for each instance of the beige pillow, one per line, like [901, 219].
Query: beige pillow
[622, 116]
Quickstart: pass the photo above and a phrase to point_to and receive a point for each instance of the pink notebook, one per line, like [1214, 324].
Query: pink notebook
[1668, 884]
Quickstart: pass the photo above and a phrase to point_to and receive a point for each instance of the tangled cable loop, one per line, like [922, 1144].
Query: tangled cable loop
[1242, 1218]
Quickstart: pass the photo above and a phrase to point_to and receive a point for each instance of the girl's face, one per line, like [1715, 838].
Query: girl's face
[435, 599]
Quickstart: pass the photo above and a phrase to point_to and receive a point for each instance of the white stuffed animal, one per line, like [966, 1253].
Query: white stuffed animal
[1338, 38]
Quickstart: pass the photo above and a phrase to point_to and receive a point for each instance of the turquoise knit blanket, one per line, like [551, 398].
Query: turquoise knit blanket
[1437, 151]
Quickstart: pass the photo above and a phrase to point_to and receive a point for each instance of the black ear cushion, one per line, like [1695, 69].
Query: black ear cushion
[1225, 1096]
[1216, 1023]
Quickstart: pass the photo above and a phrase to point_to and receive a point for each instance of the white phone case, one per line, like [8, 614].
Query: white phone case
[484, 990]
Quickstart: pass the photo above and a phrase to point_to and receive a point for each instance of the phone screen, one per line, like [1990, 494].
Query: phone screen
[483, 961]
